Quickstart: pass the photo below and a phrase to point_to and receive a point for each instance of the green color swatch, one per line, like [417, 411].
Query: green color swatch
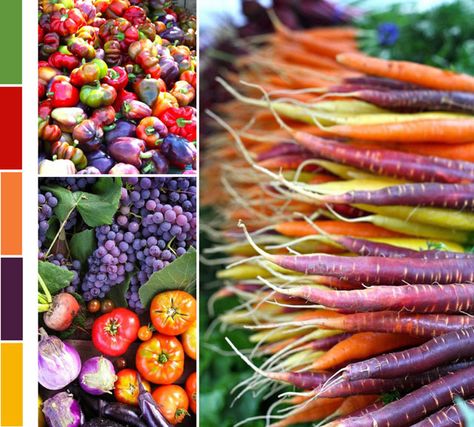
[10, 42]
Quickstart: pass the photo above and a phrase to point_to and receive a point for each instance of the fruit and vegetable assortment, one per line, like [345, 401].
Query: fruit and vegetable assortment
[343, 217]
[116, 299]
[117, 86]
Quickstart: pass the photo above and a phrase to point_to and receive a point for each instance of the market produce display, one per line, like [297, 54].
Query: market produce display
[343, 228]
[116, 88]
[116, 280]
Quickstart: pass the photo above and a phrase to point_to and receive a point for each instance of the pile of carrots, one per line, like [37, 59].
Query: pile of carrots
[345, 191]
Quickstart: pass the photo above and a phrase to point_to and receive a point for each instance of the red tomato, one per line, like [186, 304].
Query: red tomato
[112, 333]
[160, 360]
[190, 387]
[173, 312]
[173, 402]
[126, 387]
[189, 341]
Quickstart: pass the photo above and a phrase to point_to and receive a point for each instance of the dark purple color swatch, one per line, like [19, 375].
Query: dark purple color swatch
[12, 299]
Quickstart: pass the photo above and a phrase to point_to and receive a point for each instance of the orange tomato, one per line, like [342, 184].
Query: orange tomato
[145, 333]
[190, 388]
[189, 341]
[173, 402]
[126, 387]
[160, 360]
[173, 312]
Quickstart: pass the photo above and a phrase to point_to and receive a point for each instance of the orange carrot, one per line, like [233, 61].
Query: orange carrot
[361, 346]
[333, 33]
[447, 131]
[301, 56]
[360, 229]
[410, 72]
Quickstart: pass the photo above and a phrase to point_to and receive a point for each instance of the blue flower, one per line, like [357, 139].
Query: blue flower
[387, 34]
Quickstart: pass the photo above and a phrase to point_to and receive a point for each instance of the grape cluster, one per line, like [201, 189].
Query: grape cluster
[155, 224]
[73, 184]
[46, 204]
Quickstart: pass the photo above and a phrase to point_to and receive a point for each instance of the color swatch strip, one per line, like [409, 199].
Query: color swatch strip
[12, 299]
[11, 234]
[11, 365]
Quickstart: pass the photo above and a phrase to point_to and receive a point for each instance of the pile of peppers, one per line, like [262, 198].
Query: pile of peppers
[116, 87]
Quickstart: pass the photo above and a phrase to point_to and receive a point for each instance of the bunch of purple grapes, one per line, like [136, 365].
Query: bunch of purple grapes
[46, 203]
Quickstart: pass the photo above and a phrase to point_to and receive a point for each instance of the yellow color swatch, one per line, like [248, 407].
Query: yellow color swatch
[11, 377]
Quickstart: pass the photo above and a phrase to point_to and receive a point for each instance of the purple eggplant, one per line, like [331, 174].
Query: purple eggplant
[118, 129]
[150, 412]
[129, 150]
[157, 164]
[178, 151]
[100, 160]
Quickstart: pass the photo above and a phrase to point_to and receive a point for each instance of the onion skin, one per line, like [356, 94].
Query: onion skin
[59, 364]
[62, 410]
[97, 376]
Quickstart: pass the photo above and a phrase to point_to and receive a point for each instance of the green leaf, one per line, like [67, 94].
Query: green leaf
[66, 200]
[117, 293]
[55, 278]
[180, 274]
[82, 245]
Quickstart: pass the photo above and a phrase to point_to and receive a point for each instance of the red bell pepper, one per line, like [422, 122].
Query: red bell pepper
[41, 90]
[116, 77]
[63, 61]
[40, 34]
[164, 101]
[62, 93]
[151, 130]
[101, 5]
[89, 72]
[79, 47]
[190, 77]
[44, 109]
[117, 8]
[145, 54]
[181, 121]
[66, 22]
[121, 30]
[104, 116]
[122, 96]
[134, 14]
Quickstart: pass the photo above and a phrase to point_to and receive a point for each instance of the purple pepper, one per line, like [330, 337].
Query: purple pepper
[100, 160]
[157, 164]
[118, 129]
[169, 70]
[129, 150]
[178, 151]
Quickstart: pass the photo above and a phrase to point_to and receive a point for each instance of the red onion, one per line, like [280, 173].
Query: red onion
[59, 363]
[62, 410]
[97, 376]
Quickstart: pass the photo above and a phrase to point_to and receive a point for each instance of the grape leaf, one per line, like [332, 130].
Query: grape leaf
[180, 274]
[82, 245]
[117, 293]
[55, 277]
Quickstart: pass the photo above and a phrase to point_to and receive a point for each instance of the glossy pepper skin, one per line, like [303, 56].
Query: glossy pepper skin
[63, 61]
[50, 6]
[135, 110]
[120, 30]
[80, 48]
[104, 116]
[129, 150]
[99, 95]
[113, 52]
[100, 160]
[68, 118]
[50, 44]
[48, 132]
[178, 151]
[66, 151]
[116, 77]
[117, 8]
[148, 89]
[151, 130]
[134, 14]
[164, 102]
[156, 164]
[181, 122]
[183, 92]
[67, 21]
[190, 77]
[119, 129]
[88, 135]
[122, 96]
[89, 72]
[145, 54]
[62, 93]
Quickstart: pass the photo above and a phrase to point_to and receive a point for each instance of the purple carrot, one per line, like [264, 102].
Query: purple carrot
[411, 101]
[450, 416]
[380, 385]
[304, 380]
[382, 82]
[368, 248]
[440, 350]
[282, 149]
[326, 342]
[441, 195]
[417, 404]
[390, 163]
[434, 298]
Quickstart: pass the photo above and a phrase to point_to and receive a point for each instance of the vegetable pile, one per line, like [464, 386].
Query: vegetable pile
[116, 88]
[345, 228]
[117, 273]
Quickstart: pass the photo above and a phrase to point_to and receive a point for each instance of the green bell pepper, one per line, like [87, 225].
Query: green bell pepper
[98, 95]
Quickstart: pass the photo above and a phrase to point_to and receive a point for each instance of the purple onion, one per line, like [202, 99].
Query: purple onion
[62, 410]
[97, 376]
[59, 363]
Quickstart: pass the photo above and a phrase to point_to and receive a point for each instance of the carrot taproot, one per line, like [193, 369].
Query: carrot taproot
[304, 380]
[353, 404]
[370, 408]
[288, 161]
[389, 162]
[281, 149]
[361, 346]
[447, 131]
[360, 229]
[382, 82]
[453, 298]
[417, 404]
[454, 345]
[450, 416]
[410, 72]
[463, 152]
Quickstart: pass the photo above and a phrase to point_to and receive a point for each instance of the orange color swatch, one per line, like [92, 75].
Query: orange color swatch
[11, 213]
[11, 411]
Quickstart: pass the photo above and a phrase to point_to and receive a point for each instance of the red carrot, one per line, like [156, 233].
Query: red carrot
[434, 298]
[389, 162]
[417, 404]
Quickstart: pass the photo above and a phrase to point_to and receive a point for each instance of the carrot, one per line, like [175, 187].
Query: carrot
[281, 149]
[447, 131]
[447, 417]
[407, 410]
[413, 298]
[361, 346]
[353, 404]
[360, 229]
[463, 152]
[304, 380]
[409, 72]
[288, 161]
[440, 350]
[382, 82]
[388, 162]
[370, 408]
